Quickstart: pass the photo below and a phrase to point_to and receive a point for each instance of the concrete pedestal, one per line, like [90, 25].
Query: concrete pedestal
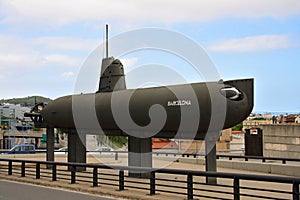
[76, 149]
[139, 155]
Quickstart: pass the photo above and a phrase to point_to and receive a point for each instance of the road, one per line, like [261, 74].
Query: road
[20, 191]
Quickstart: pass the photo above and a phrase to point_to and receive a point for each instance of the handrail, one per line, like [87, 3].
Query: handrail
[263, 158]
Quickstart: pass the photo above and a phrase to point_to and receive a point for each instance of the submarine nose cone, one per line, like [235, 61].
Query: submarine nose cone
[49, 114]
[59, 113]
[240, 100]
[46, 112]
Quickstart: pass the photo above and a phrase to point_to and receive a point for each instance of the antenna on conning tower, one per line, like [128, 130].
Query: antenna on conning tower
[106, 40]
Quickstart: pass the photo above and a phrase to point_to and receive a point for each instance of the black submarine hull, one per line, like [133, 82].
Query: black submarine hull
[188, 111]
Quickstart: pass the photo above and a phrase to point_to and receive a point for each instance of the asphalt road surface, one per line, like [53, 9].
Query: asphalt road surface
[20, 191]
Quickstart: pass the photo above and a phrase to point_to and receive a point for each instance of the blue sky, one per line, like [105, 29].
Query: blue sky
[43, 44]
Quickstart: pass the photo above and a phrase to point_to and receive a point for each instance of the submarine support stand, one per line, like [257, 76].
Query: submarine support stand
[211, 157]
[76, 149]
[139, 155]
[50, 145]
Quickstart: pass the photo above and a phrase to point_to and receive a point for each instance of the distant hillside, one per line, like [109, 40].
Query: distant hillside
[26, 101]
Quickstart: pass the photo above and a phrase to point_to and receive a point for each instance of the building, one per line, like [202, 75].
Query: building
[297, 120]
[281, 140]
[13, 111]
[198, 146]
[159, 144]
[249, 124]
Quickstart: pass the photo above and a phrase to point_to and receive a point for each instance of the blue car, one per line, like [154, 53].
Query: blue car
[22, 149]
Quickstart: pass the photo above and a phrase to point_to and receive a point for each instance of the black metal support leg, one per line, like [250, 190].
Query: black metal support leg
[211, 160]
[50, 145]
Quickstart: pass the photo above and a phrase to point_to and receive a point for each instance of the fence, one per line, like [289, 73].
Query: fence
[262, 158]
[231, 157]
[189, 184]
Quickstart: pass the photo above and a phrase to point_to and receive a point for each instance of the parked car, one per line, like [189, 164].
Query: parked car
[104, 149]
[63, 150]
[22, 149]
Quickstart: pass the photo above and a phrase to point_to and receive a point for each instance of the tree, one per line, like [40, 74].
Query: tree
[238, 127]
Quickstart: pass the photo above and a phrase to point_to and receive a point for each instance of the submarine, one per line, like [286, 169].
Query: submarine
[237, 94]
[185, 111]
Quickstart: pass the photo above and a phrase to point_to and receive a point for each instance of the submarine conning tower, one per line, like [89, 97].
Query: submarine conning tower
[112, 76]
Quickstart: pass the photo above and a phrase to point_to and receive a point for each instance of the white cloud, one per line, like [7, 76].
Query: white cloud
[129, 62]
[67, 74]
[60, 59]
[66, 43]
[252, 44]
[17, 58]
[167, 11]
[15, 52]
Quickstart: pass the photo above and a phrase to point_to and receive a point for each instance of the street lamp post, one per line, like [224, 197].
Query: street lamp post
[8, 140]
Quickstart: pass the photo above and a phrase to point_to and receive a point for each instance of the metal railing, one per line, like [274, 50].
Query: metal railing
[231, 157]
[190, 184]
[262, 158]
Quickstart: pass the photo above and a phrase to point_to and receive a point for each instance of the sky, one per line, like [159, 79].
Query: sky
[44, 44]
